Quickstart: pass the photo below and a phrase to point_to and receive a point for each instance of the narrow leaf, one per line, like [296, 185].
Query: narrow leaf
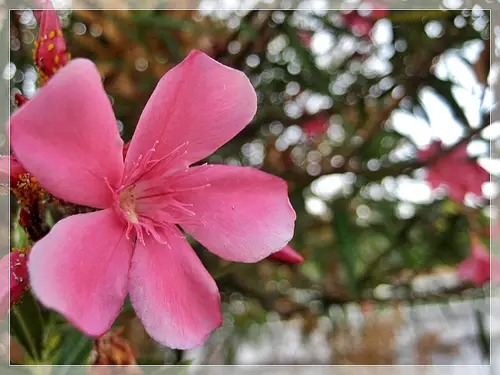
[345, 234]
[27, 325]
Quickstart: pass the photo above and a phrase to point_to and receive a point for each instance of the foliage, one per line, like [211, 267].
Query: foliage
[357, 226]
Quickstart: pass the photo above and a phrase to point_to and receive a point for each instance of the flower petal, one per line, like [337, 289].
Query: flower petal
[80, 269]
[10, 170]
[243, 216]
[201, 102]
[468, 269]
[67, 137]
[172, 293]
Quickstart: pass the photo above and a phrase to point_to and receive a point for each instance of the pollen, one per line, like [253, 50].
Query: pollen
[36, 44]
[27, 190]
[50, 47]
[52, 35]
[128, 204]
[59, 32]
[56, 59]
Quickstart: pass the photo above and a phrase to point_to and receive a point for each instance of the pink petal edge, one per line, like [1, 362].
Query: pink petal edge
[172, 293]
[80, 269]
[66, 136]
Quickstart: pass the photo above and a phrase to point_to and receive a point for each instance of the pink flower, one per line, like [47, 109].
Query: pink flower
[50, 53]
[362, 25]
[476, 267]
[14, 173]
[287, 255]
[377, 14]
[67, 137]
[455, 170]
[358, 24]
[305, 37]
[315, 127]
[15, 265]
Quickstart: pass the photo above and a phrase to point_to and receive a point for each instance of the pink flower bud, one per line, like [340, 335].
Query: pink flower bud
[18, 275]
[287, 255]
[50, 53]
[16, 265]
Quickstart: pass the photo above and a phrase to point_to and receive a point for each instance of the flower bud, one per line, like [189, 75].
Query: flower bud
[50, 52]
[287, 255]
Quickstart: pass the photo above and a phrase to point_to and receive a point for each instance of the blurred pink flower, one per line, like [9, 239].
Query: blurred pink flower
[13, 173]
[13, 264]
[456, 170]
[20, 99]
[50, 52]
[476, 268]
[287, 255]
[315, 127]
[67, 137]
[357, 24]
[362, 25]
[305, 37]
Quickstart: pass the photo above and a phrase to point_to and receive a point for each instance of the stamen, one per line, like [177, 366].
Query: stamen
[148, 196]
[145, 164]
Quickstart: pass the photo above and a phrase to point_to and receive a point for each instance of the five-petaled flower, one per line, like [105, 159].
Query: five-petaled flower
[67, 137]
[455, 170]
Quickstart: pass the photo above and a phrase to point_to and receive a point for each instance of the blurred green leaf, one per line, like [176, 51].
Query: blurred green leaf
[248, 30]
[74, 348]
[27, 325]
[345, 234]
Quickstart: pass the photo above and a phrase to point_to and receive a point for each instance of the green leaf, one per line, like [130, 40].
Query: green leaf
[345, 234]
[19, 237]
[173, 46]
[27, 325]
[74, 348]
[248, 30]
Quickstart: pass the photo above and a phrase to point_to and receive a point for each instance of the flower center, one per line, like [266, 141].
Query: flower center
[127, 203]
[150, 197]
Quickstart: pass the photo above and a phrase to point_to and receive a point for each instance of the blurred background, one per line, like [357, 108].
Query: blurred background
[346, 100]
